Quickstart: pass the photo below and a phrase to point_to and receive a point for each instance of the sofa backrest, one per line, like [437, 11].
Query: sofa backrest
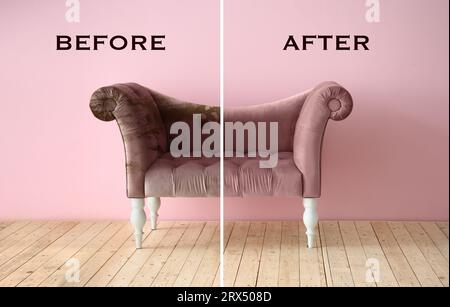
[285, 112]
[174, 110]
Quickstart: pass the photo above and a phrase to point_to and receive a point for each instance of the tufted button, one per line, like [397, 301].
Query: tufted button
[103, 107]
[334, 105]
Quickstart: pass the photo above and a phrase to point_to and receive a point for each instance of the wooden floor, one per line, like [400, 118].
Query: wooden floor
[43, 253]
[256, 254]
[348, 254]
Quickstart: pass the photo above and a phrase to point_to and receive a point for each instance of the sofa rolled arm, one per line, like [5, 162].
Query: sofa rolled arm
[140, 124]
[325, 101]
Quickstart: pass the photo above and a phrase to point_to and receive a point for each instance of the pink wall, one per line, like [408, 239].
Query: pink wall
[58, 160]
[389, 159]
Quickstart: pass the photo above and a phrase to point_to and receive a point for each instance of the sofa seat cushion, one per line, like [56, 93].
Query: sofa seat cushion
[244, 177]
[185, 177]
[199, 177]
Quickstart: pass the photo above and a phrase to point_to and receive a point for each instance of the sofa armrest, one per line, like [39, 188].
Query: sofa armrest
[140, 124]
[327, 100]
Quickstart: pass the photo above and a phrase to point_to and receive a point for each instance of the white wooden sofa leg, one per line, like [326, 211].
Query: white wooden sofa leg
[153, 204]
[138, 219]
[310, 219]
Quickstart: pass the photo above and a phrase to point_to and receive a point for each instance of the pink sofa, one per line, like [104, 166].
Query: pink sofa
[145, 116]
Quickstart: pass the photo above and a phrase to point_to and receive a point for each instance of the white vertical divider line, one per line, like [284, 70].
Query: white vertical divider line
[222, 135]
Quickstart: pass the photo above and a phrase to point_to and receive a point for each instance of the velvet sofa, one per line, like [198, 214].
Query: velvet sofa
[145, 118]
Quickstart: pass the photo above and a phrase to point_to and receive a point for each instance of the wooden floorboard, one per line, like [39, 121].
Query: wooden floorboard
[444, 227]
[356, 255]
[376, 262]
[437, 236]
[93, 257]
[12, 228]
[19, 235]
[325, 259]
[73, 254]
[416, 259]
[289, 275]
[19, 255]
[192, 263]
[30, 243]
[269, 268]
[46, 254]
[174, 263]
[247, 274]
[5, 224]
[130, 269]
[151, 268]
[399, 264]
[233, 252]
[114, 264]
[257, 253]
[432, 254]
[341, 274]
[209, 265]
